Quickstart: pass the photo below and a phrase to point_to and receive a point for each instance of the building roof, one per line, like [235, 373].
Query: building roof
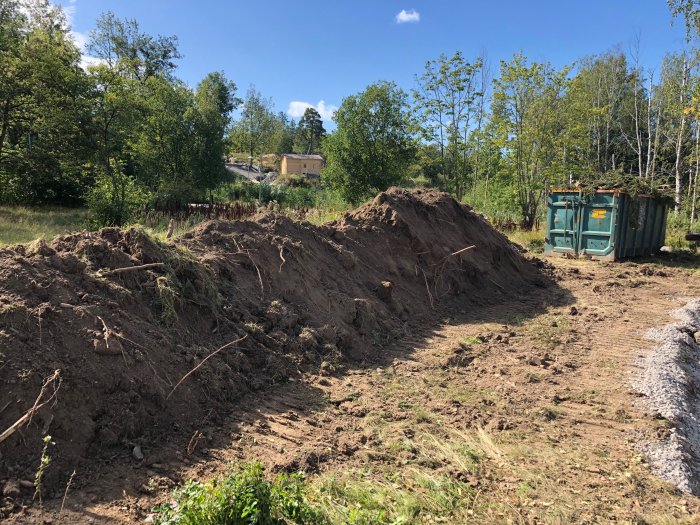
[302, 157]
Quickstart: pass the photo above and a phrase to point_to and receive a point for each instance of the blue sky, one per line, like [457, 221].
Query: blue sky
[319, 51]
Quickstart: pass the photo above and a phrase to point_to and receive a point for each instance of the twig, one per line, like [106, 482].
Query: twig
[246, 252]
[282, 257]
[462, 250]
[27, 417]
[65, 494]
[203, 361]
[194, 441]
[427, 287]
[107, 334]
[132, 268]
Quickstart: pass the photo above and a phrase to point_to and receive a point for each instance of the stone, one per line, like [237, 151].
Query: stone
[137, 453]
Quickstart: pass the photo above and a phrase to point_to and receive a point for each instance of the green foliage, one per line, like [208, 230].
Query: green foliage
[258, 128]
[244, 497]
[630, 184]
[309, 133]
[115, 198]
[44, 463]
[449, 108]
[372, 147]
[690, 11]
[526, 100]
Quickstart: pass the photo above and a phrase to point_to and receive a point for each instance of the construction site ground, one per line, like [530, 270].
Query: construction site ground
[544, 400]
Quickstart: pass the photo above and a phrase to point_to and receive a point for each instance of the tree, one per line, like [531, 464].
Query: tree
[372, 146]
[141, 55]
[255, 131]
[690, 11]
[310, 132]
[447, 101]
[527, 100]
[214, 101]
[285, 134]
[43, 110]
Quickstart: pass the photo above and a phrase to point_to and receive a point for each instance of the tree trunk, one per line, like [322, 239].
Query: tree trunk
[697, 169]
[679, 142]
[5, 124]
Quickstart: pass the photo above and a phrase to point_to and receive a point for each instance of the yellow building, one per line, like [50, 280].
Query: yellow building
[301, 164]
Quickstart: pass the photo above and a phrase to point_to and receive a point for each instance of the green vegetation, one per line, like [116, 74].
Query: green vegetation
[19, 224]
[244, 497]
[125, 136]
[372, 147]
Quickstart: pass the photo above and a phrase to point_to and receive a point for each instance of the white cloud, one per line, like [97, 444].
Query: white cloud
[407, 17]
[296, 109]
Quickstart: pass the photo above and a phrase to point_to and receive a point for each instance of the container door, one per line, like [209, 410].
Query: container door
[563, 223]
[597, 226]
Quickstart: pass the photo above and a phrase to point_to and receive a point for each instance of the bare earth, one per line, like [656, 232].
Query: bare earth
[539, 387]
[555, 400]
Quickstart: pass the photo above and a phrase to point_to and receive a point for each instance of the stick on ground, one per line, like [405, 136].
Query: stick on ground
[203, 361]
[132, 268]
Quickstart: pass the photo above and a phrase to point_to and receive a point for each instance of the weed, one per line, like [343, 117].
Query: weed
[243, 497]
[472, 340]
[44, 463]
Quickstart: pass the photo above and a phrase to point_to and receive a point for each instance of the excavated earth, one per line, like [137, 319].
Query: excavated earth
[120, 354]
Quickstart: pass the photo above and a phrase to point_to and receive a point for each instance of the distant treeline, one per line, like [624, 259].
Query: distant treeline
[124, 131]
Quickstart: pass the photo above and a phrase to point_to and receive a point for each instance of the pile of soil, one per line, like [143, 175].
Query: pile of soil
[305, 297]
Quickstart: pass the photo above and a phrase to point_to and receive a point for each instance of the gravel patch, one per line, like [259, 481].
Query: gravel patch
[670, 383]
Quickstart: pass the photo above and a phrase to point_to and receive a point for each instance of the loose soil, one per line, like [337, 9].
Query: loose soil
[366, 340]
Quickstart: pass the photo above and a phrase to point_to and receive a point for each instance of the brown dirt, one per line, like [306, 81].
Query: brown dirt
[316, 304]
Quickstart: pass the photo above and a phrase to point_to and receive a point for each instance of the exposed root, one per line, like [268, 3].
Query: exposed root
[55, 380]
[203, 361]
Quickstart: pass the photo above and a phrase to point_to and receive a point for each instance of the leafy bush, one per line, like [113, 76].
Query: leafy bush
[244, 497]
[115, 198]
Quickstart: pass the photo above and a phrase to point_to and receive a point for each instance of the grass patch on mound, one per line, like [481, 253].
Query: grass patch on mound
[19, 224]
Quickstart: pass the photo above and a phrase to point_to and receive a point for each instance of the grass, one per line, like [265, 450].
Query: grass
[531, 240]
[19, 224]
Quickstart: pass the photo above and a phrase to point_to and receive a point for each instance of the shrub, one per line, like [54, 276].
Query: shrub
[115, 198]
[244, 497]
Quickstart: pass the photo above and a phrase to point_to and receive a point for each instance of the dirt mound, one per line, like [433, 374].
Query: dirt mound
[304, 297]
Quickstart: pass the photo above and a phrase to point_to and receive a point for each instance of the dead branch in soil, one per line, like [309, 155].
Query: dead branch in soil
[282, 257]
[131, 269]
[65, 494]
[194, 441]
[427, 287]
[246, 252]
[204, 361]
[107, 334]
[38, 404]
[462, 250]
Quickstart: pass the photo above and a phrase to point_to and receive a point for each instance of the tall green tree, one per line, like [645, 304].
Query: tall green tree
[448, 97]
[214, 101]
[255, 131]
[43, 109]
[527, 100]
[372, 146]
[310, 132]
[140, 55]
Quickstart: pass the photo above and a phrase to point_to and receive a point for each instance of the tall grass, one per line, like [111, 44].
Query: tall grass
[20, 224]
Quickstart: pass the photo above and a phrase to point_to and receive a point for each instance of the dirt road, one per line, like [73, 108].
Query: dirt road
[541, 400]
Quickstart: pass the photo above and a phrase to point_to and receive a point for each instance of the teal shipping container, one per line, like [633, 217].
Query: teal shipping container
[608, 225]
